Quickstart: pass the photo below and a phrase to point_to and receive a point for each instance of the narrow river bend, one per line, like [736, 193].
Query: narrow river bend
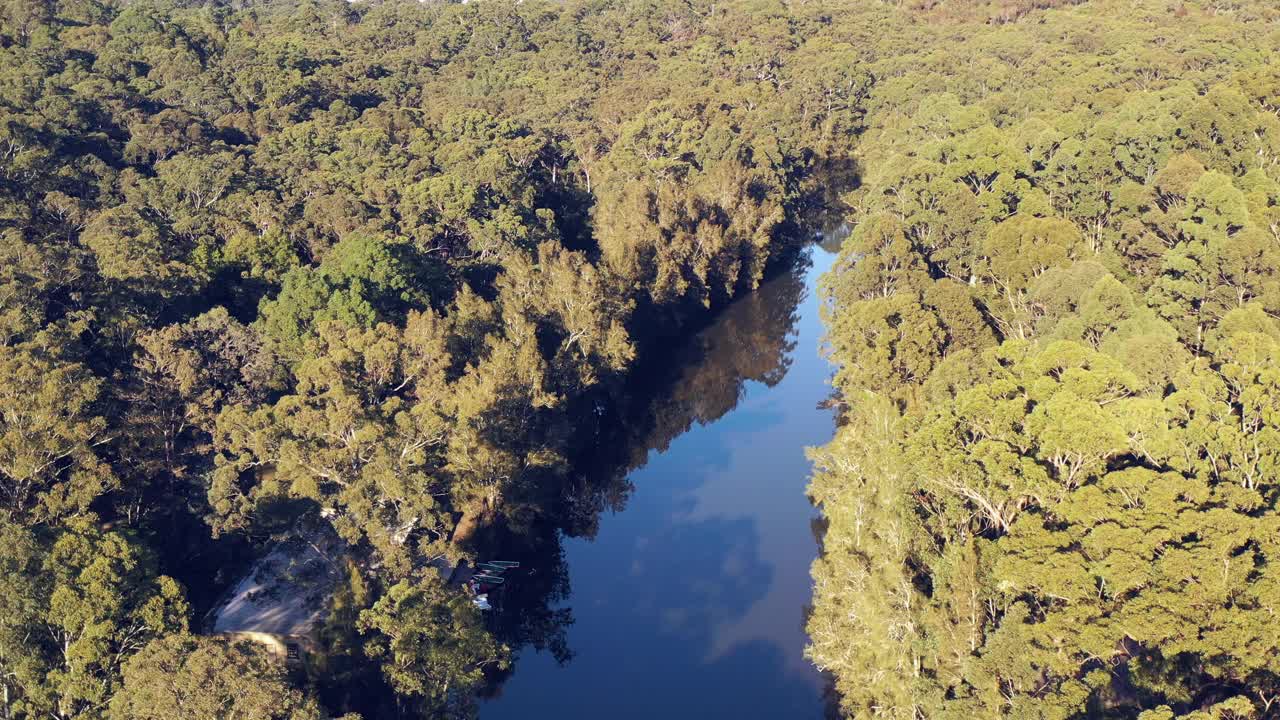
[690, 601]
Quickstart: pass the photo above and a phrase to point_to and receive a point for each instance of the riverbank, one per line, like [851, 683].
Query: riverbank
[690, 579]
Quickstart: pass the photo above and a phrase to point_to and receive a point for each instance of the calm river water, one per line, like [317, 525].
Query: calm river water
[690, 602]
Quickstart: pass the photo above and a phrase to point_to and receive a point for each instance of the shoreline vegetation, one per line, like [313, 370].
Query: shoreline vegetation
[405, 269]
[1054, 490]
[379, 265]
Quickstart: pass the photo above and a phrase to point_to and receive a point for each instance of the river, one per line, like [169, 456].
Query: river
[687, 597]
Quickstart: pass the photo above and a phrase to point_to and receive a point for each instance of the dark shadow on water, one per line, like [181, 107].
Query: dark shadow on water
[678, 582]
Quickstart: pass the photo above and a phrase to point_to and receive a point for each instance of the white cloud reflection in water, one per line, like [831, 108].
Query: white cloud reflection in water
[690, 603]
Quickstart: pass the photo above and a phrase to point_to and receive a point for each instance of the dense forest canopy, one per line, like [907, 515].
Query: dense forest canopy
[1054, 494]
[381, 266]
[267, 264]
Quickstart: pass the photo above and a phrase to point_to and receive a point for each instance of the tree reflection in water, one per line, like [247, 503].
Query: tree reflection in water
[698, 383]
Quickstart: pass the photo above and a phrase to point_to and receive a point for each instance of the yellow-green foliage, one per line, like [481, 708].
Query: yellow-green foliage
[1055, 494]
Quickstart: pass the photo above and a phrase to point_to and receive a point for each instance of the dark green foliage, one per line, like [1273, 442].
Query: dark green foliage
[363, 263]
[270, 263]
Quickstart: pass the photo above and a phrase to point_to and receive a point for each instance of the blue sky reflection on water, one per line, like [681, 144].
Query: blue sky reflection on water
[690, 602]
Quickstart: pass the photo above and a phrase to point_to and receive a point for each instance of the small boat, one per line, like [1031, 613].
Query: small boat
[504, 563]
[488, 579]
[492, 567]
